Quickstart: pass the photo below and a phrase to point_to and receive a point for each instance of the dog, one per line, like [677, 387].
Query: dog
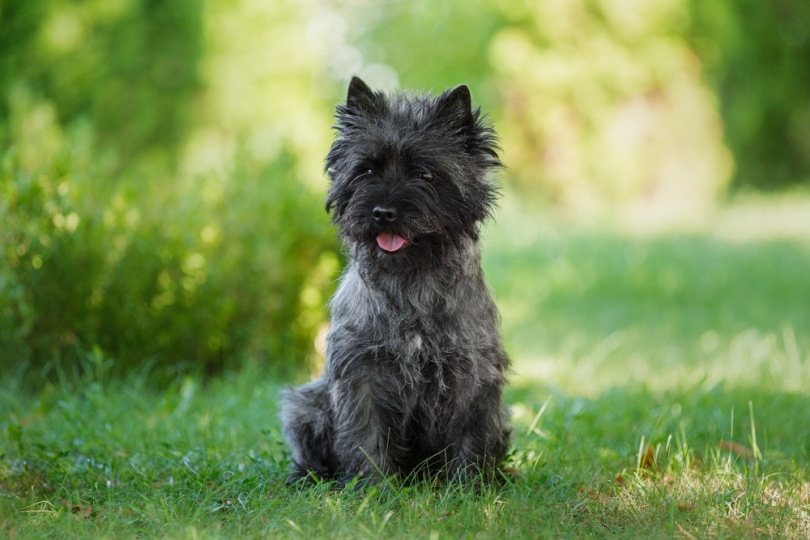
[415, 365]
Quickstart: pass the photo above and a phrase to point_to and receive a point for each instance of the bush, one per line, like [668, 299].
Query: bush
[129, 69]
[757, 58]
[152, 218]
[604, 106]
[236, 271]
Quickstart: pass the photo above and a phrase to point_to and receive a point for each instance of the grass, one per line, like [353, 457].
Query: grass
[660, 390]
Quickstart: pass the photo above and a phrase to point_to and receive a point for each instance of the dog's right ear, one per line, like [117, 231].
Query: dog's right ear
[360, 96]
[456, 106]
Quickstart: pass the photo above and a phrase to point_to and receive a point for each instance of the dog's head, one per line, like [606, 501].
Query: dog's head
[410, 173]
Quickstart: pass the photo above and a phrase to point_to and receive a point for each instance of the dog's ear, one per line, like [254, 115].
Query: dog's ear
[360, 96]
[456, 104]
[455, 108]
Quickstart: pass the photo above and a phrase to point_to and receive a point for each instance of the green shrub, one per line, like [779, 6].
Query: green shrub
[604, 106]
[190, 277]
[127, 68]
[757, 58]
[126, 243]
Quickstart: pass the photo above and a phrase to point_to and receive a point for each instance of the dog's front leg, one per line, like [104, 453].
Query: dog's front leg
[482, 440]
[364, 438]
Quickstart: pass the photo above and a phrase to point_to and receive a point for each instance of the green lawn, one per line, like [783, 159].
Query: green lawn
[660, 389]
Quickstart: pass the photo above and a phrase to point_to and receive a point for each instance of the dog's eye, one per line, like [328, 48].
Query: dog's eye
[427, 176]
[365, 171]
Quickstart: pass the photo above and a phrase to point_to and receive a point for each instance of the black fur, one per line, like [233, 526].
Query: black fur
[415, 366]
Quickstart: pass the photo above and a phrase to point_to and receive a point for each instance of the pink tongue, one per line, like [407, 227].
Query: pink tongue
[390, 242]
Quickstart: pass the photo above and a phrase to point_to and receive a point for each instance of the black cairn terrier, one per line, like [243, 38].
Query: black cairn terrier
[415, 366]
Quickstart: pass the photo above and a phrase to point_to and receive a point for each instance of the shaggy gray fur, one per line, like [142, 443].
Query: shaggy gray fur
[415, 366]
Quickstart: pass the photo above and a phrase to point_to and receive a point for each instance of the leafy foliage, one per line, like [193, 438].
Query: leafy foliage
[125, 236]
[97, 63]
[225, 276]
[161, 168]
[757, 57]
[605, 106]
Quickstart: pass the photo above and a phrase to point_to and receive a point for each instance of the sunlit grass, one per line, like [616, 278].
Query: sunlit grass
[659, 390]
[589, 307]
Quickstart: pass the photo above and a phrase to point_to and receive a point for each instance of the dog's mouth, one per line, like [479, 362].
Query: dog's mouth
[391, 242]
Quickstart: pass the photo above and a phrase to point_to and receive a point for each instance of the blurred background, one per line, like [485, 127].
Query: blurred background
[161, 163]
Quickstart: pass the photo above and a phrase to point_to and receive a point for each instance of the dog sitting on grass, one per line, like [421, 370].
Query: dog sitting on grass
[415, 366]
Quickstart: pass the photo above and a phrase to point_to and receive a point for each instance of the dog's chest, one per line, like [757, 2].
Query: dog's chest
[411, 349]
[426, 363]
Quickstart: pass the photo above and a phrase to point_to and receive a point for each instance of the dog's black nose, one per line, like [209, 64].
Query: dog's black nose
[384, 214]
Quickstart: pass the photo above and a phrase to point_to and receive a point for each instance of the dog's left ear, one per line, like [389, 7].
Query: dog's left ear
[456, 104]
[360, 96]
